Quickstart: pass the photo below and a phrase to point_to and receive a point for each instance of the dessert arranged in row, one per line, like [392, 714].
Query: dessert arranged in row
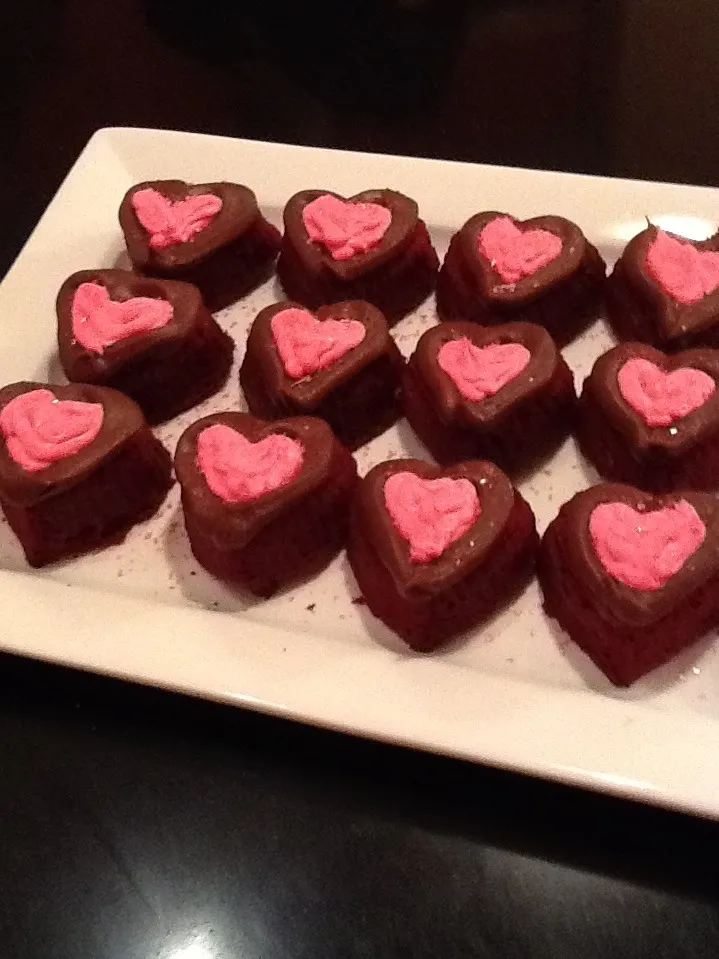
[632, 577]
[500, 392]
[664, 289]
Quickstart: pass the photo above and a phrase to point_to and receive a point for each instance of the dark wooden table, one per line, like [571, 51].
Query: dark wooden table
[140, 825]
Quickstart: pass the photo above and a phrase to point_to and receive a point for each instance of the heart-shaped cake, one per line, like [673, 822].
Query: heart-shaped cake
[466, 516]
[498, 392]
[632, 577]
[664, 290]
[78, 467]
[264, 503]
[506, 254]
[340, 364]
[319, 222]
[154, 340]
[541, 270]
[371, 246]
[209, 234]
[652, 419]
[170, 224]
[434, 550]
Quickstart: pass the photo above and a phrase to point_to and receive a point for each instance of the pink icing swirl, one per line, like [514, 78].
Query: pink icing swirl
[683, 272]
[99, 322]
[662, 398]
[644, 550]
[306, 344]
[239, 471]
[345, 228]
[479, 372]
[430, 514]
[514, 253]
[40, 430]
[174, 221]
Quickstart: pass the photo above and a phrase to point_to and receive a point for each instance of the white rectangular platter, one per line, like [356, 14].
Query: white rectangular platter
[515, 693]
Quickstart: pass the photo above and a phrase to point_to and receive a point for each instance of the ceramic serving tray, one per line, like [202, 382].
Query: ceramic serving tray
[514, 693]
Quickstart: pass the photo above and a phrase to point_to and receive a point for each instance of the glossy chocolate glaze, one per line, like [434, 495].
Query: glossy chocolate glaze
[316, 259]
[232, 525]
[673, 320]
[84, 366]
[452, 406]
[493, 288]
[601, 389]
[238, 214]
[496, 498]
[123, 419]
[615, 600]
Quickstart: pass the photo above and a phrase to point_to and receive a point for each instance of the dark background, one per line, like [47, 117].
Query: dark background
[140, 825]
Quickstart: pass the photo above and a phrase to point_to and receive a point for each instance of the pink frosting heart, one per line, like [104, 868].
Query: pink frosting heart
[683, 272]
[343, 227]
[430, 514]
[515, 253]
[645, 549]
[479, 372]
[306, 344]
[99, 322]
[240, 471]
[662, 398]
[174, 221]
[39, 429]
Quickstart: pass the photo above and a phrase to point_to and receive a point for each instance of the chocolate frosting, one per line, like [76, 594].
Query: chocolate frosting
[673, 319]
[491, 285]
[308, 392]
[233, 525]
[602, 388]
[496, 497]
[239, 212]
[451, 405]
[122, 420]
[316, 258]
[85, 366]
[636, 608]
